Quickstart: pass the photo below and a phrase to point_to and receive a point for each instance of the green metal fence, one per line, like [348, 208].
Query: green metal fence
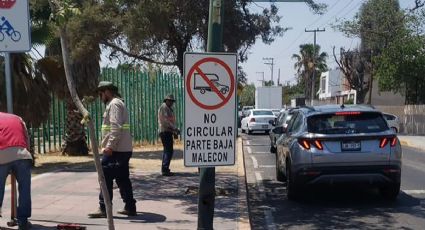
[143, 93]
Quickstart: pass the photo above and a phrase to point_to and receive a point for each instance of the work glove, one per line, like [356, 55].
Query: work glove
[176, 133]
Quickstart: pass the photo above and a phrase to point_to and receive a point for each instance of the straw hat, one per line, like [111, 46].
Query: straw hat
[103, 85]
[169, 97]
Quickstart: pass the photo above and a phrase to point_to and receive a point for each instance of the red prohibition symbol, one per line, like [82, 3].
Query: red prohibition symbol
[196, 68]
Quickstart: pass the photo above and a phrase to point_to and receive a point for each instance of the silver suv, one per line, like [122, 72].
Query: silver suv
[338, 144]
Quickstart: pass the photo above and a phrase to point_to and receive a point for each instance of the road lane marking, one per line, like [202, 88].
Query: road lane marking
[414, 164]
[260, 185]
[249, 150]
[269, 220]
[414, 192]
[267, 166]
[258, 177]
[255, 162]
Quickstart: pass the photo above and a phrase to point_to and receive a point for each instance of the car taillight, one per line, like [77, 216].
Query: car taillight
[393, 141]
[318, 144]
[384, 141]
[304, 143]
[307, 143]
[252, 120]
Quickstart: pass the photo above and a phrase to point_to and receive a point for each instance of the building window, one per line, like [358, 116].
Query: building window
[323, 85]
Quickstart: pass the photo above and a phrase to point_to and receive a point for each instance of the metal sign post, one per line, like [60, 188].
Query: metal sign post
[206, 194]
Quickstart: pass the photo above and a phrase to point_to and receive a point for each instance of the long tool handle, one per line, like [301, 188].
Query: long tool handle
[13, 197]
[13, 212]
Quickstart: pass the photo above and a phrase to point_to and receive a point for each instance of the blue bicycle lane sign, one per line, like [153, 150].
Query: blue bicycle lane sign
[14, 26]
[7, 29]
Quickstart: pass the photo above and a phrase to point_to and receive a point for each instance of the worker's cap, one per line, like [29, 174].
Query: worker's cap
[169, 97]
[104, 85]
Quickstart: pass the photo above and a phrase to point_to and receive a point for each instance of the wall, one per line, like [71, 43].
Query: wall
[412, 117]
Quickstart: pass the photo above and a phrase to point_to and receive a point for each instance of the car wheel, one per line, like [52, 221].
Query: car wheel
[292, 190]
[394, 129]
[267, 131]
[242, 130]
[390, 192]
[249, 132]
[279, 174]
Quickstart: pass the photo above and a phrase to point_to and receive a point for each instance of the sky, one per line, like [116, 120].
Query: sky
[299, 17]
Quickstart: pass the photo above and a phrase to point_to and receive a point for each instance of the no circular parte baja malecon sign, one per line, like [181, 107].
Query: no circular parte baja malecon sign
[210, 109]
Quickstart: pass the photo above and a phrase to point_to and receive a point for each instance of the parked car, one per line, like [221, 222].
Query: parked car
[281, 121]
[258, 120]
[276, 112]
[242, 113]
[338, 144]
[393, 122]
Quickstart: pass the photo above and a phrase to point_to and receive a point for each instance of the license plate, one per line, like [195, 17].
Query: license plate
[265, 126]
[350, 145]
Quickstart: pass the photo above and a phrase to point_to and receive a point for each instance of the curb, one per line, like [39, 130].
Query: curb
[404, 143]
[243, 221]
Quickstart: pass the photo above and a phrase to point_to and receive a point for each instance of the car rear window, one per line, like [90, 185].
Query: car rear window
[346, 123]
[263, 112]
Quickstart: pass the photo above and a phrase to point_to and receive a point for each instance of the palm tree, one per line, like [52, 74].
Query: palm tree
[85, 68]
[37, 80]
[308, 61]
[28, 83]
[86, 76]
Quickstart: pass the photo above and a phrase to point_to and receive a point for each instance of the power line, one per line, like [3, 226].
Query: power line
[302, 32]
[271, 64]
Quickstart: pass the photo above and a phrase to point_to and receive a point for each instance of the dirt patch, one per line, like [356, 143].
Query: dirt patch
[145, 158]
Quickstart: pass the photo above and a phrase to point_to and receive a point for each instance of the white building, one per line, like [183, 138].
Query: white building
[334, 89]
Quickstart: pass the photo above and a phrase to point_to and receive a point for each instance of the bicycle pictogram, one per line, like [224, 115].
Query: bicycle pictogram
[7, 28]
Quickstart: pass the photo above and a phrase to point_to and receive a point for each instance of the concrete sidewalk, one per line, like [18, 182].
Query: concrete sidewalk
[162, 202]
[413, 141]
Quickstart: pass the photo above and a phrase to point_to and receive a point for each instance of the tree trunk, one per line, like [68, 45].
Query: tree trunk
[75, 139]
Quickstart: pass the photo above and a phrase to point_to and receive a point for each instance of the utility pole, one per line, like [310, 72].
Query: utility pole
[206, 193]
[262, 79]
[271, 63]
[314, 62]
[278, 77]
[371, 78]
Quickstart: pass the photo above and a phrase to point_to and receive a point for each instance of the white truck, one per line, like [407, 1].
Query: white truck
[268, 97]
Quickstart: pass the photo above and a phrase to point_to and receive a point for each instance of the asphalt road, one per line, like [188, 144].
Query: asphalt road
[333, 207]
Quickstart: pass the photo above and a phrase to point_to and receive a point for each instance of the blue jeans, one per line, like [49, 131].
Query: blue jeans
[22, 171]
[116, 167]
[167, 143]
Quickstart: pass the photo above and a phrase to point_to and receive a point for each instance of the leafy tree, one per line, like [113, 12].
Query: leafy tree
[353, 66]
[308, 61]
[87, 25]
[27, 81]
[401, 65]
[248, 95]
[268, 83]
[161, 31]
[290, 92]
[377, 24]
